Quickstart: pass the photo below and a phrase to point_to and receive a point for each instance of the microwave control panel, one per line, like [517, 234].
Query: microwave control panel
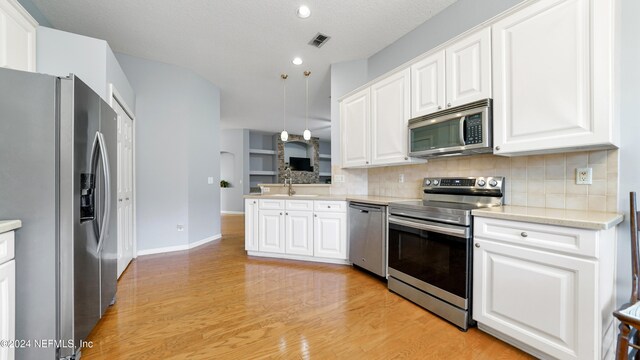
[473, 129]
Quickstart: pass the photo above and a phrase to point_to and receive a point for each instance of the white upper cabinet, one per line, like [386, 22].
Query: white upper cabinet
[428, 85]
[457, 75]
[552, 75]
[390, 108]
[354, 120]
[17, 37]
[469, 69]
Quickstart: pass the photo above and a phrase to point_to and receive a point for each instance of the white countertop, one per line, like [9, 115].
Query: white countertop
[369, 199]
[8, 225]
[594, 220]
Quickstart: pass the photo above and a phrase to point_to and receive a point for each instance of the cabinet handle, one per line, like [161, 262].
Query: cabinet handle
[524, 234]
[477, 245]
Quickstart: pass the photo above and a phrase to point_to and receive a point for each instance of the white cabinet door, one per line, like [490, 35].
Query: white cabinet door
[541, 299]
[354, 124]
[271, 231]
[469, 69]
[330, 235]
[428, 85]
[390, 108]
[251, 224]
[7, 307]
[17, 37]
[547, 77]
[299, 232]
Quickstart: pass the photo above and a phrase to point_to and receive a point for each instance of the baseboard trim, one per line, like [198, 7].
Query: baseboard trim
[298, 257]
[168, 249]
[232, 212]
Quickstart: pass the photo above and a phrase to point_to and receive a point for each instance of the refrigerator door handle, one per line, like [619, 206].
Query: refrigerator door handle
[107, 186]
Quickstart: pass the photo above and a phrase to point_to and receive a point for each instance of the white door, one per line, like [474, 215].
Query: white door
[330, 235]
[125, 188]
[541, 299]
[271, 229]
[428, 85]
[251, 224]
[542, 78]
[7, 307]
[17, 37]
[469, 69]
[354, 125]
[390, 109]
[299, 232]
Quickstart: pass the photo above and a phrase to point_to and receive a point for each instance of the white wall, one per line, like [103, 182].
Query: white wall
[177, 148]
[235, 142]
[629, 169]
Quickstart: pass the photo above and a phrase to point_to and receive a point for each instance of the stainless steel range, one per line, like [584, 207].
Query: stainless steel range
[430, 244]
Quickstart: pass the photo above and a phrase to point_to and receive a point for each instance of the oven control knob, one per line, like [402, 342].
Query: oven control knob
[493, 183]
[481, 183]
[427, 182]
[436, 182]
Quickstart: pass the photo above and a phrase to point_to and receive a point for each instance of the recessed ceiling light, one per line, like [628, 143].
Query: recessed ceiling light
[297, 61]
[303, 12]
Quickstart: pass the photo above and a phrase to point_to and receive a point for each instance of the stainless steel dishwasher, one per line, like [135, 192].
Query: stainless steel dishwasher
[368, 237]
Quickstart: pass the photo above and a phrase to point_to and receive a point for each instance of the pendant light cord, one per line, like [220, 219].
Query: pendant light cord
[306, 112]
[284, 101]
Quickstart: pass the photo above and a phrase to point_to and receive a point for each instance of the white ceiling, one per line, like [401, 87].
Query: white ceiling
[244, 45]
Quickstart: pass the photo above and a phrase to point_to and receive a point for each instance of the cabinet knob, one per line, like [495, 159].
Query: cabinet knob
[449, 105]
[254, 201]
[439, 107]
[329, 207]
[406, 158]
[280, 213]
[286, 213]
[366, 162]
[524, 234]
[477, 245]
[498, 148]
[315, 215]
[126, 198]
[120, 200]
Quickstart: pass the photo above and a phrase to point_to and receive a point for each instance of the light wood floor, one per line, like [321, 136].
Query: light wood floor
[215, 302]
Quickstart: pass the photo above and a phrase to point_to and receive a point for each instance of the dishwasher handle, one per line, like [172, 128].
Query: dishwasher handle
[365, 209]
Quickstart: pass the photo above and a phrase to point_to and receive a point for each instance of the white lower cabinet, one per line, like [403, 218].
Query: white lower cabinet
[330, 234]
[549, 302]
[297, 229]
[7, 293]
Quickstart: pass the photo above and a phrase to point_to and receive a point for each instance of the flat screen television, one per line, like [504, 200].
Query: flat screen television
[300, 164]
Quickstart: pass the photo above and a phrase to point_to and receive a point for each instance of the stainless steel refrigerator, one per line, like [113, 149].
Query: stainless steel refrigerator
[57, 174]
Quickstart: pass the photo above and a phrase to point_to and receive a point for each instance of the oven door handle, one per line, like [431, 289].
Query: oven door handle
[435, 228]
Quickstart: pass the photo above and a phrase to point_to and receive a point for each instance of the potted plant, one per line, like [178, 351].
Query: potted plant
[224, 184]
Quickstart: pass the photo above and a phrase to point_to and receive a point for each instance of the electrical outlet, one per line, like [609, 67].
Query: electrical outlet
[401, 178]
[584, 176]
[265, 189]
[339, 178]
[180, 227]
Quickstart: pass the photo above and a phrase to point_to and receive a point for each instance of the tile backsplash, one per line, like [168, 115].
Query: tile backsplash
[537, 180]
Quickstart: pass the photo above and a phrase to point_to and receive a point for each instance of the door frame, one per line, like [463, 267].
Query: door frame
[114, 96]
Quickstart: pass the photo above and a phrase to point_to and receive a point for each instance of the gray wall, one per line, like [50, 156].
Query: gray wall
[451, 22]
[629, 169]
[177, 148]
[236, 142]
[61, 53]
[35, 12]
[345, 76]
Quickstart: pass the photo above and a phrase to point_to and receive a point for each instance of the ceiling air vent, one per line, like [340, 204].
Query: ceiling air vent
[319, 40]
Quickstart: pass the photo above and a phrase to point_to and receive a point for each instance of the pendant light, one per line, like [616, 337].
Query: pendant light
[284, 135]
[307, 133]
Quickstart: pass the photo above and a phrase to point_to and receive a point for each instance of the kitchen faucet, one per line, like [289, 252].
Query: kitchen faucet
[288, 176]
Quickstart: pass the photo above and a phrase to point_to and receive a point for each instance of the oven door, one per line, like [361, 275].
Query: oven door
[432, 257]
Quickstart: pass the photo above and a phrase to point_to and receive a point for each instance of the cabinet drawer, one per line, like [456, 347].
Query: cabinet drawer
[273, 204]
[545, 237]
[330, 206]
[7, 246]
[304, 205]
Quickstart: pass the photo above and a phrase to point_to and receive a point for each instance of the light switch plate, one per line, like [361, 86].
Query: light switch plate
[584, 176]
[401, 178]
[339, 178]
[210, 180]
[180, 227]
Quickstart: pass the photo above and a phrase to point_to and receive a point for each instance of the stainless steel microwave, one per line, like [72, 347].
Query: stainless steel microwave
[461, 130]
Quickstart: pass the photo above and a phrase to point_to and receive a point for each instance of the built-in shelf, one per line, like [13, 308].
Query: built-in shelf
[262, 151]
[325, 156]
[261, 172]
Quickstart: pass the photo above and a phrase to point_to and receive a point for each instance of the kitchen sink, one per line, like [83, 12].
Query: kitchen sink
[293, 196]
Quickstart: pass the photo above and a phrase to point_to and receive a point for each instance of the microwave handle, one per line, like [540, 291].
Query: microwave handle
[462, 142]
